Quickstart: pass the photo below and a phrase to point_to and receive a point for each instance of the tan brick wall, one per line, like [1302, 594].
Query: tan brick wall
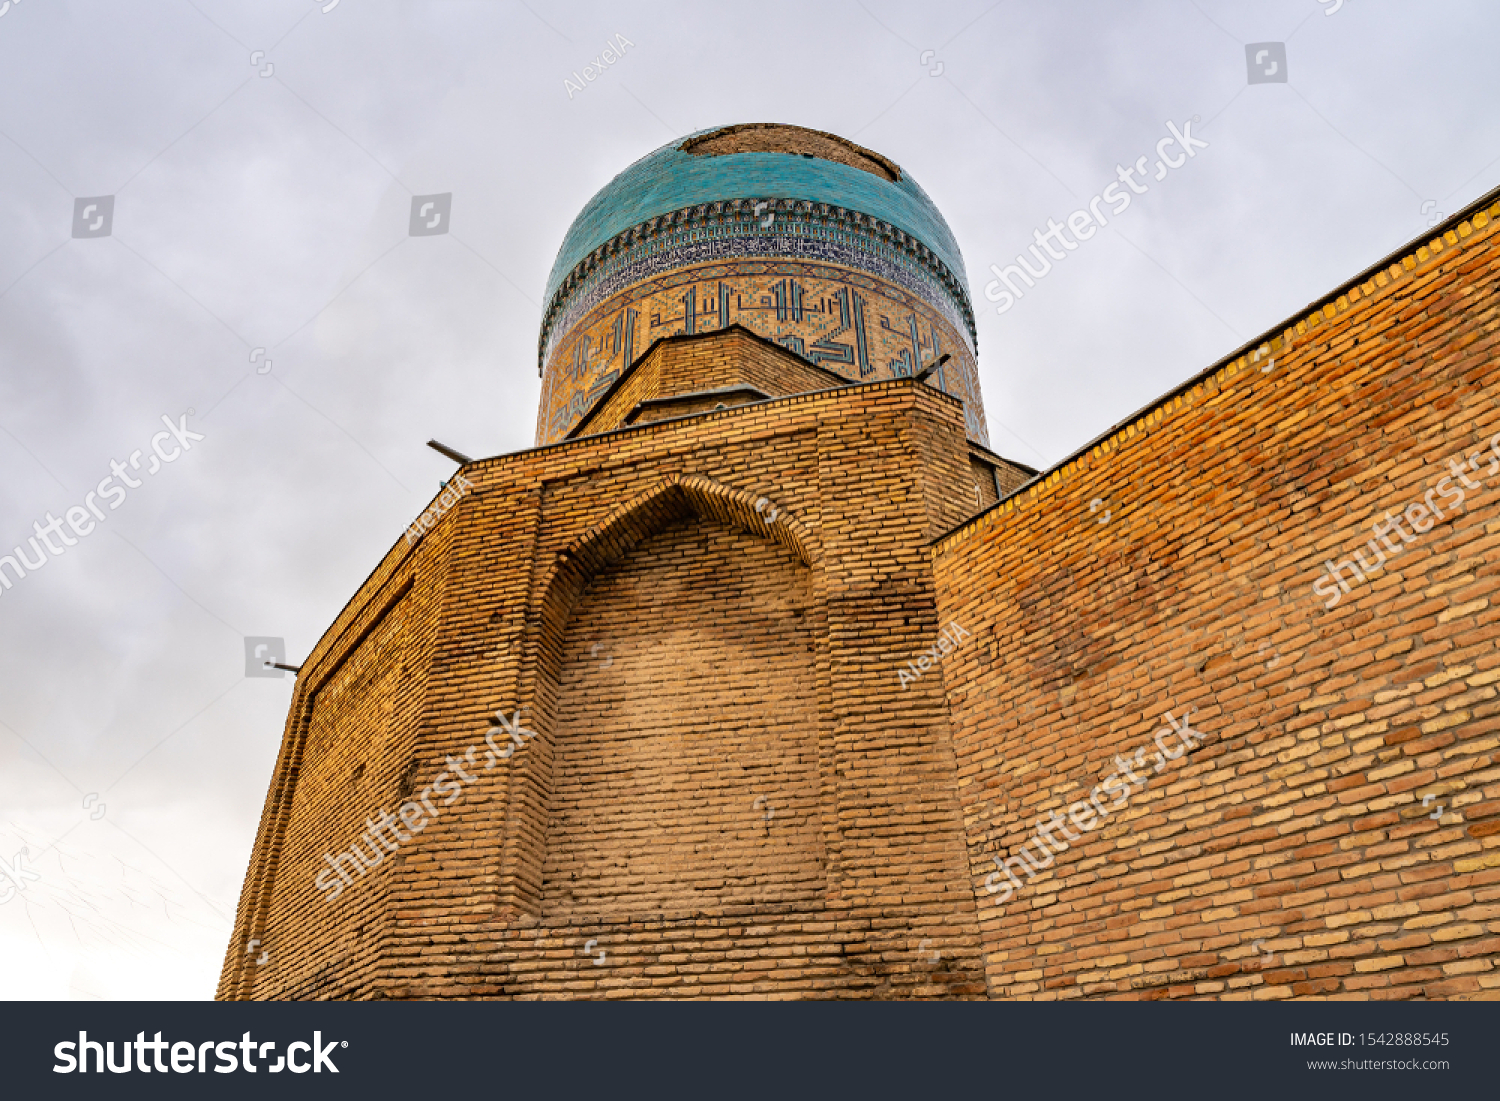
[1290, 852]
[1293, 852]
[756, 362]
[1012, 478]
[982, 475]
[641, 384]
[708, 361]
[855, 886]
[347, 751]
[686, 777]
[691, 406]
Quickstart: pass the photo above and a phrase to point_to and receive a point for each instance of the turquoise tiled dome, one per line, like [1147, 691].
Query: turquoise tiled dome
[669, 179]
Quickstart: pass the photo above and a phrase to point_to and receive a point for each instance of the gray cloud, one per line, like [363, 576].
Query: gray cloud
[271, 212]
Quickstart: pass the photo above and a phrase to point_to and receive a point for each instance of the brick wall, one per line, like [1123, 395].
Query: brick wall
[687, 730]
[1334, 829]
[707, 361]
[347, 750]
[759, 576]
[692, 614]
[687, 405]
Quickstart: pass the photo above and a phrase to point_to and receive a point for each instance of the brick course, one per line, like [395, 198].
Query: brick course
[1291, 853]
[712, 361]
[753, 652]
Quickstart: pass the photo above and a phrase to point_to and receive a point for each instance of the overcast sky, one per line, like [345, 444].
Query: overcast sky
[260, 219]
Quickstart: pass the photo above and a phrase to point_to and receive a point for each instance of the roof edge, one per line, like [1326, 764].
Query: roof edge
[803, 361]
[1273, 341]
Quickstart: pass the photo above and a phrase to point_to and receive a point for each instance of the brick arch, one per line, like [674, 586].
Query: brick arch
[678, 496]
[557, 594]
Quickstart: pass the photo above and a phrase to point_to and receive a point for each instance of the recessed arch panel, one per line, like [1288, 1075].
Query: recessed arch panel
[685, 776]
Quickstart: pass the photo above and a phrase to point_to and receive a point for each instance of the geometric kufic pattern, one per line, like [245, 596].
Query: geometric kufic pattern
[846, 320]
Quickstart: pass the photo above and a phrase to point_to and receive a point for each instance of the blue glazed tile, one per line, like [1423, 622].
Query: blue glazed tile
[668, 180]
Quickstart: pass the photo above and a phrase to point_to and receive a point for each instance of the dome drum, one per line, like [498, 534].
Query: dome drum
[817, 244]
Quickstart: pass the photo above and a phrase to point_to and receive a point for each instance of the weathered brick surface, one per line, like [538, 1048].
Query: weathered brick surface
[706, 361]
[689, 784]
[1294, 852]
[346, 751]
[749, 651]
[733, 784]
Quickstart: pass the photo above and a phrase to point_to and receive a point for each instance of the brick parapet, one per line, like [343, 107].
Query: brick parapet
[1393, 276]
[1292, 853]
[705, 361]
